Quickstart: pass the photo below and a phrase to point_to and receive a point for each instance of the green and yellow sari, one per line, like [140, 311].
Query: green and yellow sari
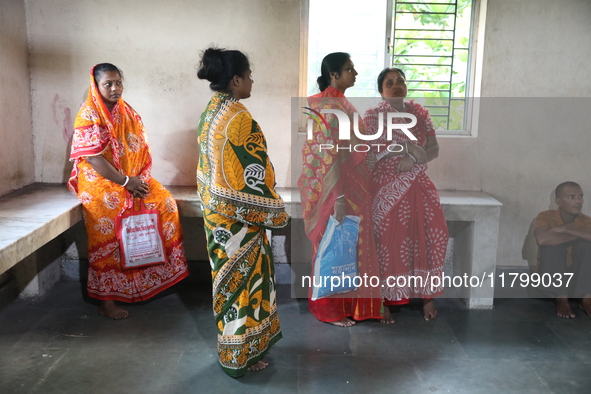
[236, 183]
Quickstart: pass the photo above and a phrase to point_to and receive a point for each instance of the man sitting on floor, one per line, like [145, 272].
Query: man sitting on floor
[564, 240]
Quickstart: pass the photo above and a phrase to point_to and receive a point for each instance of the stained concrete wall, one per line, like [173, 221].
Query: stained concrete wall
[16, 134]
[536, 50]
[157, 44]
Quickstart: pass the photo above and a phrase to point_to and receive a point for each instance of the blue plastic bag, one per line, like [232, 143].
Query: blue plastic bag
[335, 267]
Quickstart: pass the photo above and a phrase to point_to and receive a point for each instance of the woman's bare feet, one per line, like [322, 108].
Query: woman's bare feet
[258, 366]
[344, 322]
[429, 311]
[563, 308]
[387, 319]
[112, 310]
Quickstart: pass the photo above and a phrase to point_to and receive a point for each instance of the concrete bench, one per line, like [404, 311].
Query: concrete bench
[36, 214]
[31, 217]
[473, 220]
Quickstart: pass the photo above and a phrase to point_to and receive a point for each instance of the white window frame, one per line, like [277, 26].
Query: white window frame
[474, 74]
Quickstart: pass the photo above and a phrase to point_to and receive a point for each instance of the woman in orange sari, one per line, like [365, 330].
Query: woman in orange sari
[336, 182]
[112, 172]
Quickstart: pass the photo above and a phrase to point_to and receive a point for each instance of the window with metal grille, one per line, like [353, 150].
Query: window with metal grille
[430, 41]
[438, 44]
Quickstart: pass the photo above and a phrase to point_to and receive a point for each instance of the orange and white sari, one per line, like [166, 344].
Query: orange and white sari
[119, 137]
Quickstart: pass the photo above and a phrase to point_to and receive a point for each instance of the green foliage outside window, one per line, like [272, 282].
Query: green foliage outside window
[432, 46]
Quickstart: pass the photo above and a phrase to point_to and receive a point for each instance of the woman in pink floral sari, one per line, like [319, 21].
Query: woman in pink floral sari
[409, 224]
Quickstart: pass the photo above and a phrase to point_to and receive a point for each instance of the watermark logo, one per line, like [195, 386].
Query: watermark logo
[316, 117]
[344, 124]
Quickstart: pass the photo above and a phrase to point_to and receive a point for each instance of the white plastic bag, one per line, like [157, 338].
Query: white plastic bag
[140, 237]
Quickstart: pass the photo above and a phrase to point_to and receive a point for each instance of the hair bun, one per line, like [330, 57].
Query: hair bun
[321, 83]
[211, 65]
[219, 66]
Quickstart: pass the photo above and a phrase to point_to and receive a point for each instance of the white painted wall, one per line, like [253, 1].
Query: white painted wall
[157, 44]
[16, 134]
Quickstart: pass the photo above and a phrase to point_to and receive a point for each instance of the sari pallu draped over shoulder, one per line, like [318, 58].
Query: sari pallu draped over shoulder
[236, 183]
[409, 223]
[326, 174]
[120, 138]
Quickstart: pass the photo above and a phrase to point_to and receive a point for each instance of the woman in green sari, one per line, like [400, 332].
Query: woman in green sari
[236, 183]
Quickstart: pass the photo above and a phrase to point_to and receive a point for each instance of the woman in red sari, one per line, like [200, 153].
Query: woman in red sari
[336, 182]
[409, 224]
[112, 172]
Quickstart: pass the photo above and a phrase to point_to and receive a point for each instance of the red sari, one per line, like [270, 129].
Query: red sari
[326, 174]
[409, 224]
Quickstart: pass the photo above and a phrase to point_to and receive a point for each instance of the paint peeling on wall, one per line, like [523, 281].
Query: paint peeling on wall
[58, 108]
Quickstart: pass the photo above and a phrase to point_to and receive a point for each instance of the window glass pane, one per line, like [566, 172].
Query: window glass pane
[352, 26]
[429, 3]
[406, 20]
[443, 34]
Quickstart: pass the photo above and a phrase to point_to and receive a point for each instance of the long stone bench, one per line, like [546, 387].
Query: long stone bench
[33, 216]
[36, 214]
